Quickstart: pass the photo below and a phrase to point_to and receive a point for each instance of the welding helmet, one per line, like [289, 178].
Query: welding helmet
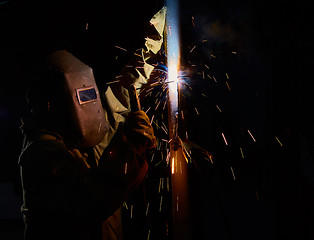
[67, 101]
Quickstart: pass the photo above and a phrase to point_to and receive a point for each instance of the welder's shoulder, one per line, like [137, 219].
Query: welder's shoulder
[44, 150]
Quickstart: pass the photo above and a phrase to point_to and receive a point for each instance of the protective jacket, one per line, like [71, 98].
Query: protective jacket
[67, 198]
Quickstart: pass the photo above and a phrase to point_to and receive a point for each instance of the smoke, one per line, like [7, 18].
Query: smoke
[217, 31]
[222, 28]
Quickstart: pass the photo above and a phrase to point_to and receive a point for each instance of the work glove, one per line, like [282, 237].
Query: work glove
[138, 133]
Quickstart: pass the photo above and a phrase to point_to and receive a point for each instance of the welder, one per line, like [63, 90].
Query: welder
[68, 192]
[84, 150]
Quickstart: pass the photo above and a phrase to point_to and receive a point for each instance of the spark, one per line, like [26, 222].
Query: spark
[211, 159]
[147, 207]
[147, 110]
[218, 108]
[227, 76]
[156, 124]
[165, 126]
[233, 173]
[206, 66]
[162, 127]
[172, 166]
[131, 216]
[157, 105]
[136, 54]
[125, 168]
[167, 159]
[140, 67]
[228, 86]
[279, 142]
[181, 170]
[251, 135]
[241, 153]
[160, 182]
[151, 121]
[224, 138]
[148, 234]
[214, 79]
[160, 204]
[148, 94]
[193, 49]
[149, 90]
[116, 81]
[155, 83]
[193, 22]
[164, 105]
[197, 111]
[157, 96]
[121, 48]
[256, 195]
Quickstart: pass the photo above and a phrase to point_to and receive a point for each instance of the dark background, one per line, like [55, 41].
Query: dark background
[271, 95]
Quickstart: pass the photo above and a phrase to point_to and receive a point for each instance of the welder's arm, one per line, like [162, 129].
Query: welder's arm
[138, 71]
[136, 134]
[56, 184]
[124, 161]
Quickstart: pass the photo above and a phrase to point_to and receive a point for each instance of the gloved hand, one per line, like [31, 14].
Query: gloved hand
[138, 132]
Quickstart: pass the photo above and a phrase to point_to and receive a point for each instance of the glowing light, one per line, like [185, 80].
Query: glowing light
[172, 166]
[173, 84]
[234, 178]
[173, 53]
[131, 215]
[279, 142]
[256, 195]
[123, 49]
[223, 135]
[147, 207]
[241, 153]
[218, 108]
[125, 168]
[251, 135]
[228, 86]
[160, 203]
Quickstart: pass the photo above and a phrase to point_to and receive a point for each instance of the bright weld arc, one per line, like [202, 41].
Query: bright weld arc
[173, 52]
[173, 61]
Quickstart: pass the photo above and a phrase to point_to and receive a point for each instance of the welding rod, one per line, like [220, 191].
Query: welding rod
[134, 100]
